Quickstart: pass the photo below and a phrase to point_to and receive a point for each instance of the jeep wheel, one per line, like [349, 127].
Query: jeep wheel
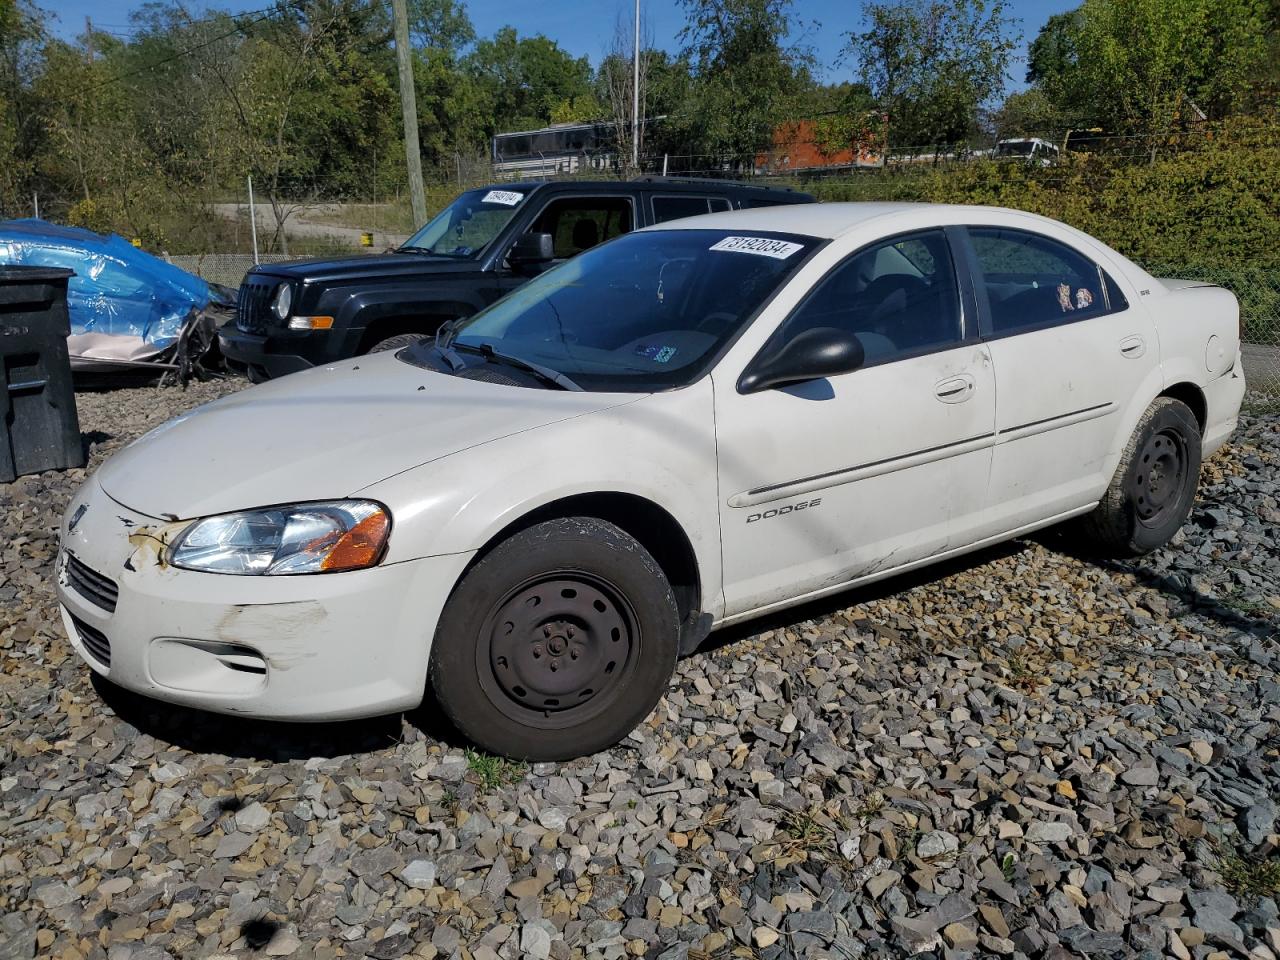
[397, 342]
[1154, 486]
[557, 643]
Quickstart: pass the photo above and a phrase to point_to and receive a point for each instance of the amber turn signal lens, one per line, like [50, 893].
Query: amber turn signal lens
[311, 323]
[361, 546]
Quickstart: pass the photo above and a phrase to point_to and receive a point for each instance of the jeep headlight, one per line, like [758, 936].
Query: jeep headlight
[324, 537]
[283, 300]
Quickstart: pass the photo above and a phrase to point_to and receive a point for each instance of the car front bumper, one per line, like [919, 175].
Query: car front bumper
[264, 357]
[310, 647]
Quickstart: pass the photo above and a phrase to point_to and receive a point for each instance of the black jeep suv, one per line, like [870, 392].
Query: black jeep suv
[486, 243]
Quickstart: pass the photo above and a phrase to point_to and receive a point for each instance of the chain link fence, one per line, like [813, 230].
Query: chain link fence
[1257, 287]
[227, 269]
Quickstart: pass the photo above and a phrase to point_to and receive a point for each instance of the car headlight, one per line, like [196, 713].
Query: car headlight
[323, 537]
[283, 300]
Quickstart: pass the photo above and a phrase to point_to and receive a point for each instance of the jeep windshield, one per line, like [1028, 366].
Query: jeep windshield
[647, 311]
[468, 225]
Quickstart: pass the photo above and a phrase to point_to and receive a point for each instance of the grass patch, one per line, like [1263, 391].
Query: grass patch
[1250, 877]
[1262, 404]
[1250, 607]
[800, 833]
[492, 772]
[1021, 674]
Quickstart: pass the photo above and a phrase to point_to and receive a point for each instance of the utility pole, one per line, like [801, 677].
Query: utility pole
[635, 96]
[409, 107]
[88, 39]
[253, 222]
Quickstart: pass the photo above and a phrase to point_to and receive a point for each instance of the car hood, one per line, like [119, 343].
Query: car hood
[342, 269]
[324, 434]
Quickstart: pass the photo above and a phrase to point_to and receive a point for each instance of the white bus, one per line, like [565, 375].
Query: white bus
[560, 148]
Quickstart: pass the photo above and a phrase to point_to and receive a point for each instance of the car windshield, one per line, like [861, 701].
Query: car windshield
[1015, 148]
[647, 311]
[468, 225]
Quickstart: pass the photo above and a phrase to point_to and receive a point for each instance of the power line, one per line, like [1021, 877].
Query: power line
[264, 14]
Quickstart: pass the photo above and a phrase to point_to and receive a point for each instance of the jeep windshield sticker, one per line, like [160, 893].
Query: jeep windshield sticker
[508, 198]
[763, 246]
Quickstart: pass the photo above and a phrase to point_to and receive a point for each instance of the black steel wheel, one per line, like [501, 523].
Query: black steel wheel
[1150, 496]
[1159, 477]
[558, 649]
[557, 643]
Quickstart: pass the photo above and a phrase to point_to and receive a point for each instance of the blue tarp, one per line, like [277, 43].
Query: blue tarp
[118, 290]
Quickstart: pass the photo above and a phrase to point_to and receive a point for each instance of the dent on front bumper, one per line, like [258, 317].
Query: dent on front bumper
[318, 647]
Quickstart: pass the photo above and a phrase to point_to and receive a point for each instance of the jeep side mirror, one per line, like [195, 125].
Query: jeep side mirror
[531, 249]
[811, 355]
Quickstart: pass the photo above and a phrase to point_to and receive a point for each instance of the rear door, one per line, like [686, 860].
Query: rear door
[1069, 353]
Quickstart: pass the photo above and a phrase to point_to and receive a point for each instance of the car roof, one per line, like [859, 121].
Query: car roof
[828, 221]
[655, 183]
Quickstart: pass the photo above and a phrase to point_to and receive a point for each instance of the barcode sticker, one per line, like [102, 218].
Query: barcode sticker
[507, 197]
[761, 246]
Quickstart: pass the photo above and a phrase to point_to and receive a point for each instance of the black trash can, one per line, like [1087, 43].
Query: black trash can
[39, 429]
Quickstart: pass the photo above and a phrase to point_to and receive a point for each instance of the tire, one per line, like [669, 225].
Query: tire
[398, 342]
[1154, 486]
[577, 675]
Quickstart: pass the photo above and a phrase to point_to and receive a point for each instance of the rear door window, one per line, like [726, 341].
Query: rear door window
[1032, 281]
[678, 206]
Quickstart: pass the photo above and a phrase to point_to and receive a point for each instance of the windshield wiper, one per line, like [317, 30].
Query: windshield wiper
[546, 374]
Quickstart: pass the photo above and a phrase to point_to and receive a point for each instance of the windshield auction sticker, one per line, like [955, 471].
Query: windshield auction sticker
[763, 246]
[506, 197]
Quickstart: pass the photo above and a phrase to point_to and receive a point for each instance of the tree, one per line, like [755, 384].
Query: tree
[746, 73]
[526, 78]
[617, 80]
[933, 64]
[1142, 66]
[1027, 113]
[21, 34]
[440, 25]
[305, 94]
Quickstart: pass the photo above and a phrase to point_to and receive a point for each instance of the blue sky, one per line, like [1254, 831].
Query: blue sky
[587, 28]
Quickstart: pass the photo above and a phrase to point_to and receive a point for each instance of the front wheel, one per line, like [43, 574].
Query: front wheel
[557, 643]
[1154, 486]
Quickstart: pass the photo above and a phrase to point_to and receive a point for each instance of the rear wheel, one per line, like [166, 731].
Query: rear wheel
[1154, 486]
[398, 342]
[557, 643]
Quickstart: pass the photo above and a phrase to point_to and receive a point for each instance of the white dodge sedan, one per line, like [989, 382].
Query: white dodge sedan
[538, 511]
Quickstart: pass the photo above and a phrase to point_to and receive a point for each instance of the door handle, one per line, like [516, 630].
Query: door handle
[954, 389]
[1133, 347]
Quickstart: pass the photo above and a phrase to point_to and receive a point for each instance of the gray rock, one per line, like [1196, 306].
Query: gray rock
[1260, 820]
[937, 843]
[421, 874]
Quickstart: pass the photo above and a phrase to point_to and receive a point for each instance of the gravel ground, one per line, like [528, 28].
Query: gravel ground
[1024, 754]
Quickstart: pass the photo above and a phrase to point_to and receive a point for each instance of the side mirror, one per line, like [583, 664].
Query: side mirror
[530, 249]
[811, 355]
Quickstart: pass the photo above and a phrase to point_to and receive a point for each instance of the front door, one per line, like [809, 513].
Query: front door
[829, 481]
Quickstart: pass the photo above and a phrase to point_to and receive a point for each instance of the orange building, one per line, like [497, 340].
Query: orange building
[797, 147]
